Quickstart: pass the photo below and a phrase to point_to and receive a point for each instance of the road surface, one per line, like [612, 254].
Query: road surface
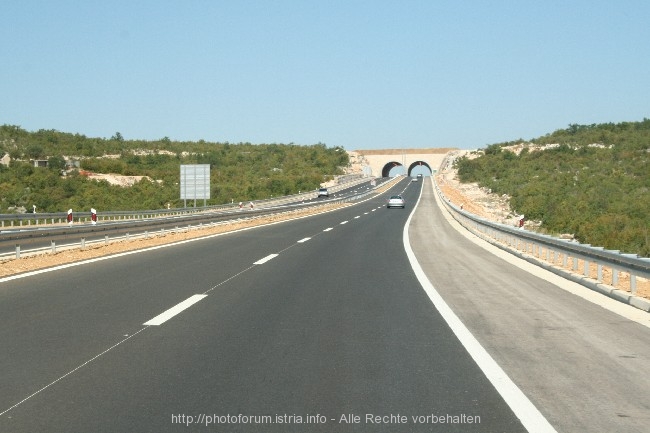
[319, 324]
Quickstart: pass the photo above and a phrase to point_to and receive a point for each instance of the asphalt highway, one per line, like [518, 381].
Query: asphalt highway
[319, 324]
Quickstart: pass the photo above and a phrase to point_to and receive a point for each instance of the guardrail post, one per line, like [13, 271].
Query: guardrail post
[614, 277]
[599, 272]
[586, 270]
[53, 246]
[83, 243]
[17, 251]
[105, 239]
[632, 283]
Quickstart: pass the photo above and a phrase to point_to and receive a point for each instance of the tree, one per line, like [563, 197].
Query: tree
[35, 151]
[56, 163]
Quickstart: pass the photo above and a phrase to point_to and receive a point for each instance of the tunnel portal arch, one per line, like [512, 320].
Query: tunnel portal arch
[420, 167]
[388, 167]
[416, 167]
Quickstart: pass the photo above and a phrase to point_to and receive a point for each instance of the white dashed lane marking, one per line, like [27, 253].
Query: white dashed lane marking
[163, 317]
[265, 259]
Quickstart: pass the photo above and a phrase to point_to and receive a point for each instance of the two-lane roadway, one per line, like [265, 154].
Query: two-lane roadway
[318, 324]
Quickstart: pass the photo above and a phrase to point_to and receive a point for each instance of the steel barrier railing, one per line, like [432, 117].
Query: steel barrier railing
[40, 219]
[80, 234]
[582, 263]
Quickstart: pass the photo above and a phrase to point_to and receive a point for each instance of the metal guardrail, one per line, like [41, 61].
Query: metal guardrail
[41, 219]
[559, 254]
[147, 223]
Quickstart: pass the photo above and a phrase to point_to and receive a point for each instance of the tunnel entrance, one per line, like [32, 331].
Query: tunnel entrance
[419, 167]
[393, 169]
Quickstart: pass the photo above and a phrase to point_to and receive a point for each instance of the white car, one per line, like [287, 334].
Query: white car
[395, 201]
[322, 192]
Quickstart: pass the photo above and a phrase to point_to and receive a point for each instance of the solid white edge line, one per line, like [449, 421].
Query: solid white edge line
[531, 418]
[173, 311]
[266, 259]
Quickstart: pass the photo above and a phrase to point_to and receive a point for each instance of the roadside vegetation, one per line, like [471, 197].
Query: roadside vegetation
[592, 181]
[239, 172]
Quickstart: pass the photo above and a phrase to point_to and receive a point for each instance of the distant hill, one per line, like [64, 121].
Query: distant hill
[589, 180]
[239, 172]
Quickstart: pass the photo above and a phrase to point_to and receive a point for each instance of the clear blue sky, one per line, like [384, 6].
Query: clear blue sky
[356, 74]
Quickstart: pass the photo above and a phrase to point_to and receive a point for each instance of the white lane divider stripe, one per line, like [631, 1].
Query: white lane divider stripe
[173, 311]
[303, 240]
[344, 222]
[328, 229]
[265, 259]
